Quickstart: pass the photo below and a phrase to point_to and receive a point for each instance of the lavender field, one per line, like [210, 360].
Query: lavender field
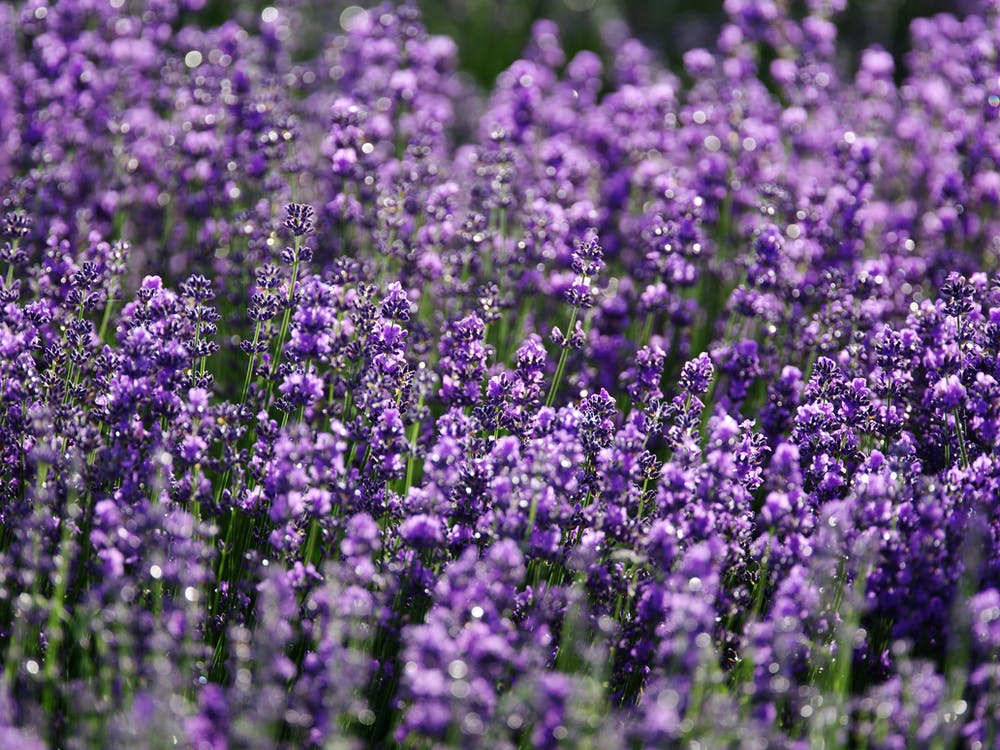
[347, 404]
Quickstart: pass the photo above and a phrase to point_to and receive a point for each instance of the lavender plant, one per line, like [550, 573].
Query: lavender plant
[345, 405]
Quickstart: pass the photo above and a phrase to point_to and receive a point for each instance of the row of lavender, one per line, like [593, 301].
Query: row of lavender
[343, 405]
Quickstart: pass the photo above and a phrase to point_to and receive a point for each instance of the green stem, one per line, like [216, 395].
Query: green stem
[106, 318]
[411, 462]
[960, 434]
[647, 329]
[314, 532]
[54, 624]
[285, 320]
[253, 361]
[562, 360]
[10, 266]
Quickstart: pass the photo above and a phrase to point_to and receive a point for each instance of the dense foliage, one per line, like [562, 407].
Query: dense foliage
[345, 405]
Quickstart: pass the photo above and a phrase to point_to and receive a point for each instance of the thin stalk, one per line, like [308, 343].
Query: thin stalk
[54, 623]
[647, 330]
[411, 462]
[562, 360]
[106, 318]
[314, 531]
[960, 434]
[285, 320]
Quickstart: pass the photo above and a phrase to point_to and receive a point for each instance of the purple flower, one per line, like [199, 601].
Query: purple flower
[421, 531]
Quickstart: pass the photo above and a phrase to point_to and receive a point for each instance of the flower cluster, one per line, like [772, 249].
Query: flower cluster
[345, 405]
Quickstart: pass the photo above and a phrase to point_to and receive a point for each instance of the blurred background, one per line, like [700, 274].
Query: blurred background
[492, 33]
